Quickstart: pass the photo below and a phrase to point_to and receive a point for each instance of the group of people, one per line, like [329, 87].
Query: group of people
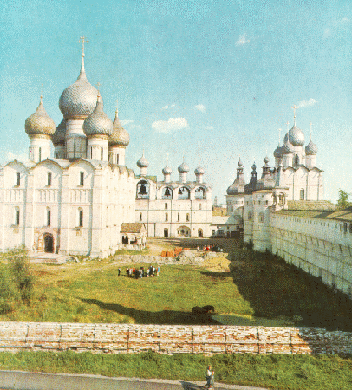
[141, 272]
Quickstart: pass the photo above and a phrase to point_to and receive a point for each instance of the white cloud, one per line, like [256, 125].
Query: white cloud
[167, 107]
[327, 33]
[125, 122]
[200, 107]
[172, 124]
[306, 103]
[242, 40]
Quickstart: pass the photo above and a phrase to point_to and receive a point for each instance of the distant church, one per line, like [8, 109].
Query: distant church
[85, 201]
[294, 177]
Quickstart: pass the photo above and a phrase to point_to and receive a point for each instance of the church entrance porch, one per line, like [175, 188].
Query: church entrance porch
[48, 243]
[184, 231]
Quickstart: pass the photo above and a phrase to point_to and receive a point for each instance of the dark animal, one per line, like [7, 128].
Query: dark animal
[202, 310]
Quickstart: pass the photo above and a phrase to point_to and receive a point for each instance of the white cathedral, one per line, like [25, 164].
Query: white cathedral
[85, 201]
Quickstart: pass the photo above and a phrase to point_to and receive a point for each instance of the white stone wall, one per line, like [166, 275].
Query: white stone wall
[106, 199]
[319, 246]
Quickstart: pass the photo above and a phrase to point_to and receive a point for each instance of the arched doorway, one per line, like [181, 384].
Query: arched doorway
[48, 243]
[184, 231]
[200, 233]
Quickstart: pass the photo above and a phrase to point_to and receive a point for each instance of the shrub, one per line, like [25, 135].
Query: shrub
[19, 268]
[8, 291]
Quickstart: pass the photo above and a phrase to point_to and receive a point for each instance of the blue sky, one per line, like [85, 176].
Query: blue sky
[208, 80]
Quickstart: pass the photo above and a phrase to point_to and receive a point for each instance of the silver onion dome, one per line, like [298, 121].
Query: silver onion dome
[278, 152]
[79, 99]
[199, 171]
[58, 138]
[287, 148]
[142, 162]
[311, 148]
[183, 168]
[119, 136]
[296, 136]
[40, 122]
[98, 122]
[232, 190]
[254, 167]
[167, 170]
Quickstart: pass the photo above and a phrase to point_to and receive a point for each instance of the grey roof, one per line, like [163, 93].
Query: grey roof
[98, 122]
[296, 136]
[58, 137]
[79, 98]
[183, 168]
[311, 148]
[142, 162]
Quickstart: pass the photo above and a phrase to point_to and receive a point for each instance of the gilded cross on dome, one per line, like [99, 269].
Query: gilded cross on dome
[294, 114]
[83, 39]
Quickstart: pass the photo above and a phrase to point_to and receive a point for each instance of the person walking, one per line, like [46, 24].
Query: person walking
[209, 377]
[119, 271]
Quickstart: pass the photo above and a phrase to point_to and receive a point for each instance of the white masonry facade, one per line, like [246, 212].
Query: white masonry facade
[76, 202]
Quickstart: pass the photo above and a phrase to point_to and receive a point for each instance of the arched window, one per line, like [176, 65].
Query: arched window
[140, 216]
[166, 217]
[40, 153]
[249, 215]
[143, 189]
[178, 216]
[165, 206]
[166, 193]
[48, 216]
[81, 178]
[79, 217]
[18, 178]
[187, 217]
[261, 217]
[301, 194]
[200, 206]
[183, 193]
[49, 178]
[200, 193]
[17, 216]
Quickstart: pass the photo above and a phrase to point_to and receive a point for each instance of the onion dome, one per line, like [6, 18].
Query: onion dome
[167, 170]
[296, 136]
[286, 138]
[58, 138]
[40, 122]
[199, 171]
[79, 99]
[142, 162]
[254, 167]
[183, 168]
[98, 122]
[232, 190]
[287, 148]
[278, 152]
[311, 148]
[119, 136]
[266, 160]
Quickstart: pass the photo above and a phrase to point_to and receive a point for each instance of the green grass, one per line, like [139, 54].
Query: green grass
[260, 290]
[294, 372]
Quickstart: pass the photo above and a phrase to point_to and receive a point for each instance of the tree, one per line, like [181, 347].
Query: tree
[342, 202]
